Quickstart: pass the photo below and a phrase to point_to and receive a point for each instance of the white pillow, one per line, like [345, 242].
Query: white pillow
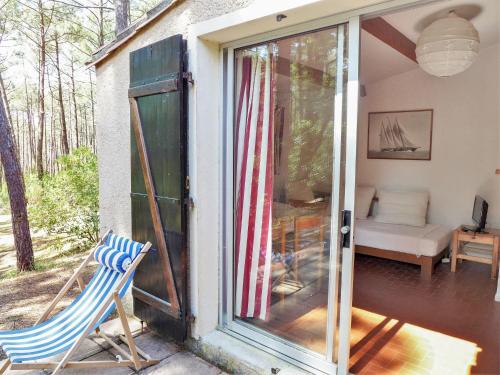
[399, 207]
[364, 197]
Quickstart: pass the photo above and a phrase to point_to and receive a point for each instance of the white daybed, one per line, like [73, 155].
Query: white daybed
[399, 230]
[423, 246]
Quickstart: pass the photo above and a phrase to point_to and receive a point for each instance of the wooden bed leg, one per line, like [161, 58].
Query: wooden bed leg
[426, 268]
[5, 366]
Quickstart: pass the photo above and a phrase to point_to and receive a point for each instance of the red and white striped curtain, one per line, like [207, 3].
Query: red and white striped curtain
[254, 183]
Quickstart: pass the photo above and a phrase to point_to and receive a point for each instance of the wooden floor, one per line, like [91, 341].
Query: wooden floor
[298, 310]
[402, 324]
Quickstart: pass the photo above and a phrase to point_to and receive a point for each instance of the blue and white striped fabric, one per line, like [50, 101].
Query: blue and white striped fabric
[112, 258]
[124, 244]
[59, 333]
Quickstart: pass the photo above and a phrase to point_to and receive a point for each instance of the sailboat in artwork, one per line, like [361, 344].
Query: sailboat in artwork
[393, 138]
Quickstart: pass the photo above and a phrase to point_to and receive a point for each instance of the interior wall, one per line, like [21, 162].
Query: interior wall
[465, 138]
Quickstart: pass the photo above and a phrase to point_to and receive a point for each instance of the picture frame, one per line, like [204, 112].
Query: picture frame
[400, 135]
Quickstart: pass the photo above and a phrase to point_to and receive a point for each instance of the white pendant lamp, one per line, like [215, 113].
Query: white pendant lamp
[448, 46]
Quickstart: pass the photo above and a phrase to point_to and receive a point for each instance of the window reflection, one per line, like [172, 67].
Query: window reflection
[284, 95]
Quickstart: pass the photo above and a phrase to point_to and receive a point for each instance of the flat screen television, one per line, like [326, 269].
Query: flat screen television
[479, 213]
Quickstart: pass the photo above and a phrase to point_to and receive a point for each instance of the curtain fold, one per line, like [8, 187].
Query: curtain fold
[254, 182]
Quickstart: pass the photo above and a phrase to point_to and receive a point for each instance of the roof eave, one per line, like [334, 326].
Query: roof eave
[106, 51]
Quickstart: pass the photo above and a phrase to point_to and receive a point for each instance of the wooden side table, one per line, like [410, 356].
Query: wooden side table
[492, 237]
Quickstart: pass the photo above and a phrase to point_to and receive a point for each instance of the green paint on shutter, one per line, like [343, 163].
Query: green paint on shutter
[164, 126]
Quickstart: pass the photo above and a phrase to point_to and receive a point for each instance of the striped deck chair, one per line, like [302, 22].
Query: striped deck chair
[31, 348]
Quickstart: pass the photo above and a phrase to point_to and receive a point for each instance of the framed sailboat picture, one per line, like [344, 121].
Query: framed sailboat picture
[405, 135]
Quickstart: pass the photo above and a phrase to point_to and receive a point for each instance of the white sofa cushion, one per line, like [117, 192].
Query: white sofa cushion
[428, 240]
[402, 207]
[364, 197]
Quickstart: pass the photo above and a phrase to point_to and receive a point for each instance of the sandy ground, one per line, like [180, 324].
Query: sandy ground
[23, 297]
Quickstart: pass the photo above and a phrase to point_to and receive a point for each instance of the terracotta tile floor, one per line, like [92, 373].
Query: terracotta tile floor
[404, 325]
[401, 324]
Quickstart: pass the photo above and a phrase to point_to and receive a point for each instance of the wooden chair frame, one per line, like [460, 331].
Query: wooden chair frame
[303, 223]
[132, 359]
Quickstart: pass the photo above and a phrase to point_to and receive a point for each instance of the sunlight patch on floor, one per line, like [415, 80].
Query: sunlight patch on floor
[381, 345]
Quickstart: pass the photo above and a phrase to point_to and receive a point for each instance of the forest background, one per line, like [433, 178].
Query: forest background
[47, 135]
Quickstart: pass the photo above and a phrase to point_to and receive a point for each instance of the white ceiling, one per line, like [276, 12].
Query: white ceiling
[379, 61]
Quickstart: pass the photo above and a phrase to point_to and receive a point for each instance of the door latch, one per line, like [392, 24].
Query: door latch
[345, 230]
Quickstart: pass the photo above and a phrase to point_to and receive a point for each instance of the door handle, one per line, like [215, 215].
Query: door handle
[345, 230]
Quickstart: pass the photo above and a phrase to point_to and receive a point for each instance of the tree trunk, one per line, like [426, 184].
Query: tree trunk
[5, 100]
[101, 23]
[17, 137]
[73, 94]
[41, 94]
[24, 157]
[83, 126]
[52, 140]
[121, 15]
[8, 112]
[92, 111]
[15, 186]
[64, 129]
[31, 134]
[30, 141]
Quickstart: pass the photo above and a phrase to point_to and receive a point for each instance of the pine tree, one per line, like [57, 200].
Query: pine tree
[15, 186]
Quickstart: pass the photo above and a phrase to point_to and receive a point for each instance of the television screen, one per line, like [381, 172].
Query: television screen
[479, 212]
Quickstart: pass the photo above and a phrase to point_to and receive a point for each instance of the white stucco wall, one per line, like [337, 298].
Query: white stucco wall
[113, 150]
[112, 112]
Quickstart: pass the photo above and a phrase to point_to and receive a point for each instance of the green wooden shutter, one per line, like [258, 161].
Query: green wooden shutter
[158, 96]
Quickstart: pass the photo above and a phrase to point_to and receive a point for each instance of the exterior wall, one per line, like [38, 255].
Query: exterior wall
[465, 139]
[112, 114]
[113, 149]
[205, 131]
[194, 19]
[205, 170]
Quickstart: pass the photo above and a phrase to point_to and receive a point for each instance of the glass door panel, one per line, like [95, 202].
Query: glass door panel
[284, 114]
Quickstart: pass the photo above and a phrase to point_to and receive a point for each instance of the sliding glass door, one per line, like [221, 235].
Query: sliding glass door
[290, 131]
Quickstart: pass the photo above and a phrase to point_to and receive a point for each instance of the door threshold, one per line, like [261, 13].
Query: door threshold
[234, 355]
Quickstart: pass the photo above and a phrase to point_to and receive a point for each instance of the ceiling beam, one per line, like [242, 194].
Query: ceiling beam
[383, 30]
